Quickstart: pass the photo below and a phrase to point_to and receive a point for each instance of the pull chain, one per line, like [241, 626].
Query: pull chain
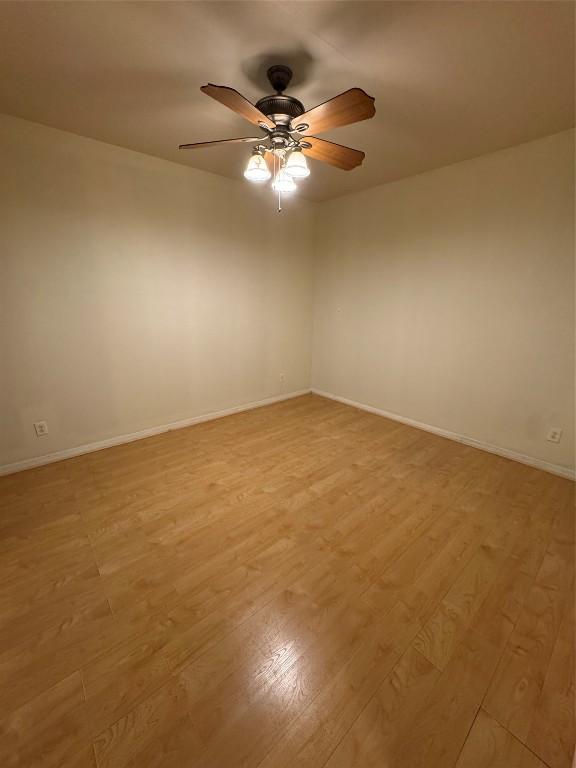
[277, 163]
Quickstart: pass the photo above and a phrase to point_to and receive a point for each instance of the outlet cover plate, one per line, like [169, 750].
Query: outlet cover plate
[554, 435]
[41, 428]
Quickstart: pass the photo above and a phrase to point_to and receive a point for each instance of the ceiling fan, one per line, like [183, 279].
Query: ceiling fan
[282, 149]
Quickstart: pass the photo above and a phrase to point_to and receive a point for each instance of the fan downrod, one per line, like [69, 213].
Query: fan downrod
[279, 107]
[279, 76]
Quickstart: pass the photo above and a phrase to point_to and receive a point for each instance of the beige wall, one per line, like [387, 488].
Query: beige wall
[135, 292]
[448, 298]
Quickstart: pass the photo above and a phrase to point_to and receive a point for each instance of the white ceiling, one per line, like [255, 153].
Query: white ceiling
[452, 80]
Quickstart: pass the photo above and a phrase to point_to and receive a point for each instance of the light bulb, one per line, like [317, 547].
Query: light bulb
[257, 170]
[283, 182]
[297, 166]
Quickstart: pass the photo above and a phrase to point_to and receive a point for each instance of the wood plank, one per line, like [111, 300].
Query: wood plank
[49, 732]
[551, 733]
[441, 634]
[490, 745]
[518, 683]
[440, 727]
[371, 741]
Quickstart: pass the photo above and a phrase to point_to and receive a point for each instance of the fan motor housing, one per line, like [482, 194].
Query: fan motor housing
[280, 108]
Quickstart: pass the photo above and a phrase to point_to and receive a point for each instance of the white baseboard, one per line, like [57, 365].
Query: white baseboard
[50, 458]
[39, 461]
[555, 469]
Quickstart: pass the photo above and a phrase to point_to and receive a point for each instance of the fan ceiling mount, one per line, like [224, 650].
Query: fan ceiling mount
[282, 149]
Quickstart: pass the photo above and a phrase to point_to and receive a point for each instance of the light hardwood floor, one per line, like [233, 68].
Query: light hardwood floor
[301, 585]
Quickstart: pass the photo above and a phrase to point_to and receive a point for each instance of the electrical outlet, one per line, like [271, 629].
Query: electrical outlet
[554, 435]
[41, 428]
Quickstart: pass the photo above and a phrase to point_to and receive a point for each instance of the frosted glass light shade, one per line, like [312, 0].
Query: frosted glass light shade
[257, 170]
[297, 166]
[283, 182]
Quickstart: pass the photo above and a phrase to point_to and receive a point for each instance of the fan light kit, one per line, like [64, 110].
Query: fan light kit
[280, 153]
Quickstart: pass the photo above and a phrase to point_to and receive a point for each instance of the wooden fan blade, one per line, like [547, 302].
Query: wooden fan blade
[269, 157]
[334, 154]
[237, 103]
[200, 144]
[349, 107]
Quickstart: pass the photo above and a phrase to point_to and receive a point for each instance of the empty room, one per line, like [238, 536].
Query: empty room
[287, 390]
